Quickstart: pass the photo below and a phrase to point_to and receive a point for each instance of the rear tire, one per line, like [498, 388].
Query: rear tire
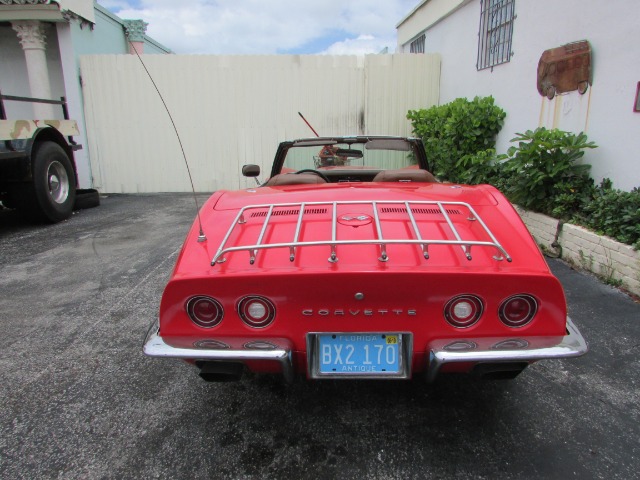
[52, 194]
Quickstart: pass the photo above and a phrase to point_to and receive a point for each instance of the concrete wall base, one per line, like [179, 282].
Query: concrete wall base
[614, 262]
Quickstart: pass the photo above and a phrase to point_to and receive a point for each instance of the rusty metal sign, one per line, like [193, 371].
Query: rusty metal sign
[564, 69]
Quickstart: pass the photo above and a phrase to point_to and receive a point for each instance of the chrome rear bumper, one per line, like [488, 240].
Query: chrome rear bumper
[441, 352]
[155, 346]
[497, 350]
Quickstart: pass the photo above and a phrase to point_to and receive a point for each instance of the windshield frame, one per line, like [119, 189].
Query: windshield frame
[416, 147]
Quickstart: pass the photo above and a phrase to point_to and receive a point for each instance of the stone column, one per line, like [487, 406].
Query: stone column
[135, 30]
[33, 40]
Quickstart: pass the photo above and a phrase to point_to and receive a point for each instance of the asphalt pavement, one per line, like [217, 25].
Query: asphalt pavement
[78, 399]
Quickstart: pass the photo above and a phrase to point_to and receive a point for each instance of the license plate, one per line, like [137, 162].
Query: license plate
[358, 354]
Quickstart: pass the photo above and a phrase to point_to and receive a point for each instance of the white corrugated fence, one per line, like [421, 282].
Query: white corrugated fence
[234, 110]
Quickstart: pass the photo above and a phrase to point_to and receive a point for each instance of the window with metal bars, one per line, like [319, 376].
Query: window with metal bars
[417, 46]
[496, 30]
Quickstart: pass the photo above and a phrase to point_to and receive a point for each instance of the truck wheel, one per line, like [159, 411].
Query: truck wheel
[54, 184]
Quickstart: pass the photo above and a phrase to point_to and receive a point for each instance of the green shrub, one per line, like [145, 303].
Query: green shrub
[454, 131]
[543, 174]
[614, 213]
[480, 167]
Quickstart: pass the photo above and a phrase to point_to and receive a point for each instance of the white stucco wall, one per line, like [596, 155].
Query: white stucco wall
[605, 112]
[422, 18]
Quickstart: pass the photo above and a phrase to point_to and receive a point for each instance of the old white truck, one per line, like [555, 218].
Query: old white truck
[38, 173]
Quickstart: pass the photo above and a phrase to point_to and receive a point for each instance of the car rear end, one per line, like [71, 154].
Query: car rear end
[353, 288]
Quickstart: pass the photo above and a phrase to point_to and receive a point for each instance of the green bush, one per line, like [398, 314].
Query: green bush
[454, 132]
[480, 167]
[542, 174]
[614, 213]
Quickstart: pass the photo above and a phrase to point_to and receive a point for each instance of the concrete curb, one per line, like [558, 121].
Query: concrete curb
[614, 262]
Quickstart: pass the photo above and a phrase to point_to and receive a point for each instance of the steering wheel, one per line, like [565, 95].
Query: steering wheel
[316, 172]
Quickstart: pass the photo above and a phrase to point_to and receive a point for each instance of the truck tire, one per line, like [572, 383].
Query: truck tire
[86, 198]
[53, 191]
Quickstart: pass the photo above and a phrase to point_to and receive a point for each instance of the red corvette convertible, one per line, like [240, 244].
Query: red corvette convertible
[353, 261]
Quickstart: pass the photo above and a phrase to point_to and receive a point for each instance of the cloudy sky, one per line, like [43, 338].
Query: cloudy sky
[269, 26]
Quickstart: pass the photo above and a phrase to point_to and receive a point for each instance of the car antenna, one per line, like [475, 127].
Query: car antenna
[308, 124]
[201, 236]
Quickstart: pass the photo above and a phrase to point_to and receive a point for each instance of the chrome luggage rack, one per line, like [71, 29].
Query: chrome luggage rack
[300, 209]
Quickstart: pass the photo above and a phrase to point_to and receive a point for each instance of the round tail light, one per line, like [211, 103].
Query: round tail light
[205, 311]
[463, 311]
[255, 311]
[517, 311]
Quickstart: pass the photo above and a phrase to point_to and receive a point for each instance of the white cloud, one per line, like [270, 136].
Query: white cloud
[362, 45]
[268, 27]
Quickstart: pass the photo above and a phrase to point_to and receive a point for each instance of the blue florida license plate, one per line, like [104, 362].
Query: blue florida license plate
[365, 354]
